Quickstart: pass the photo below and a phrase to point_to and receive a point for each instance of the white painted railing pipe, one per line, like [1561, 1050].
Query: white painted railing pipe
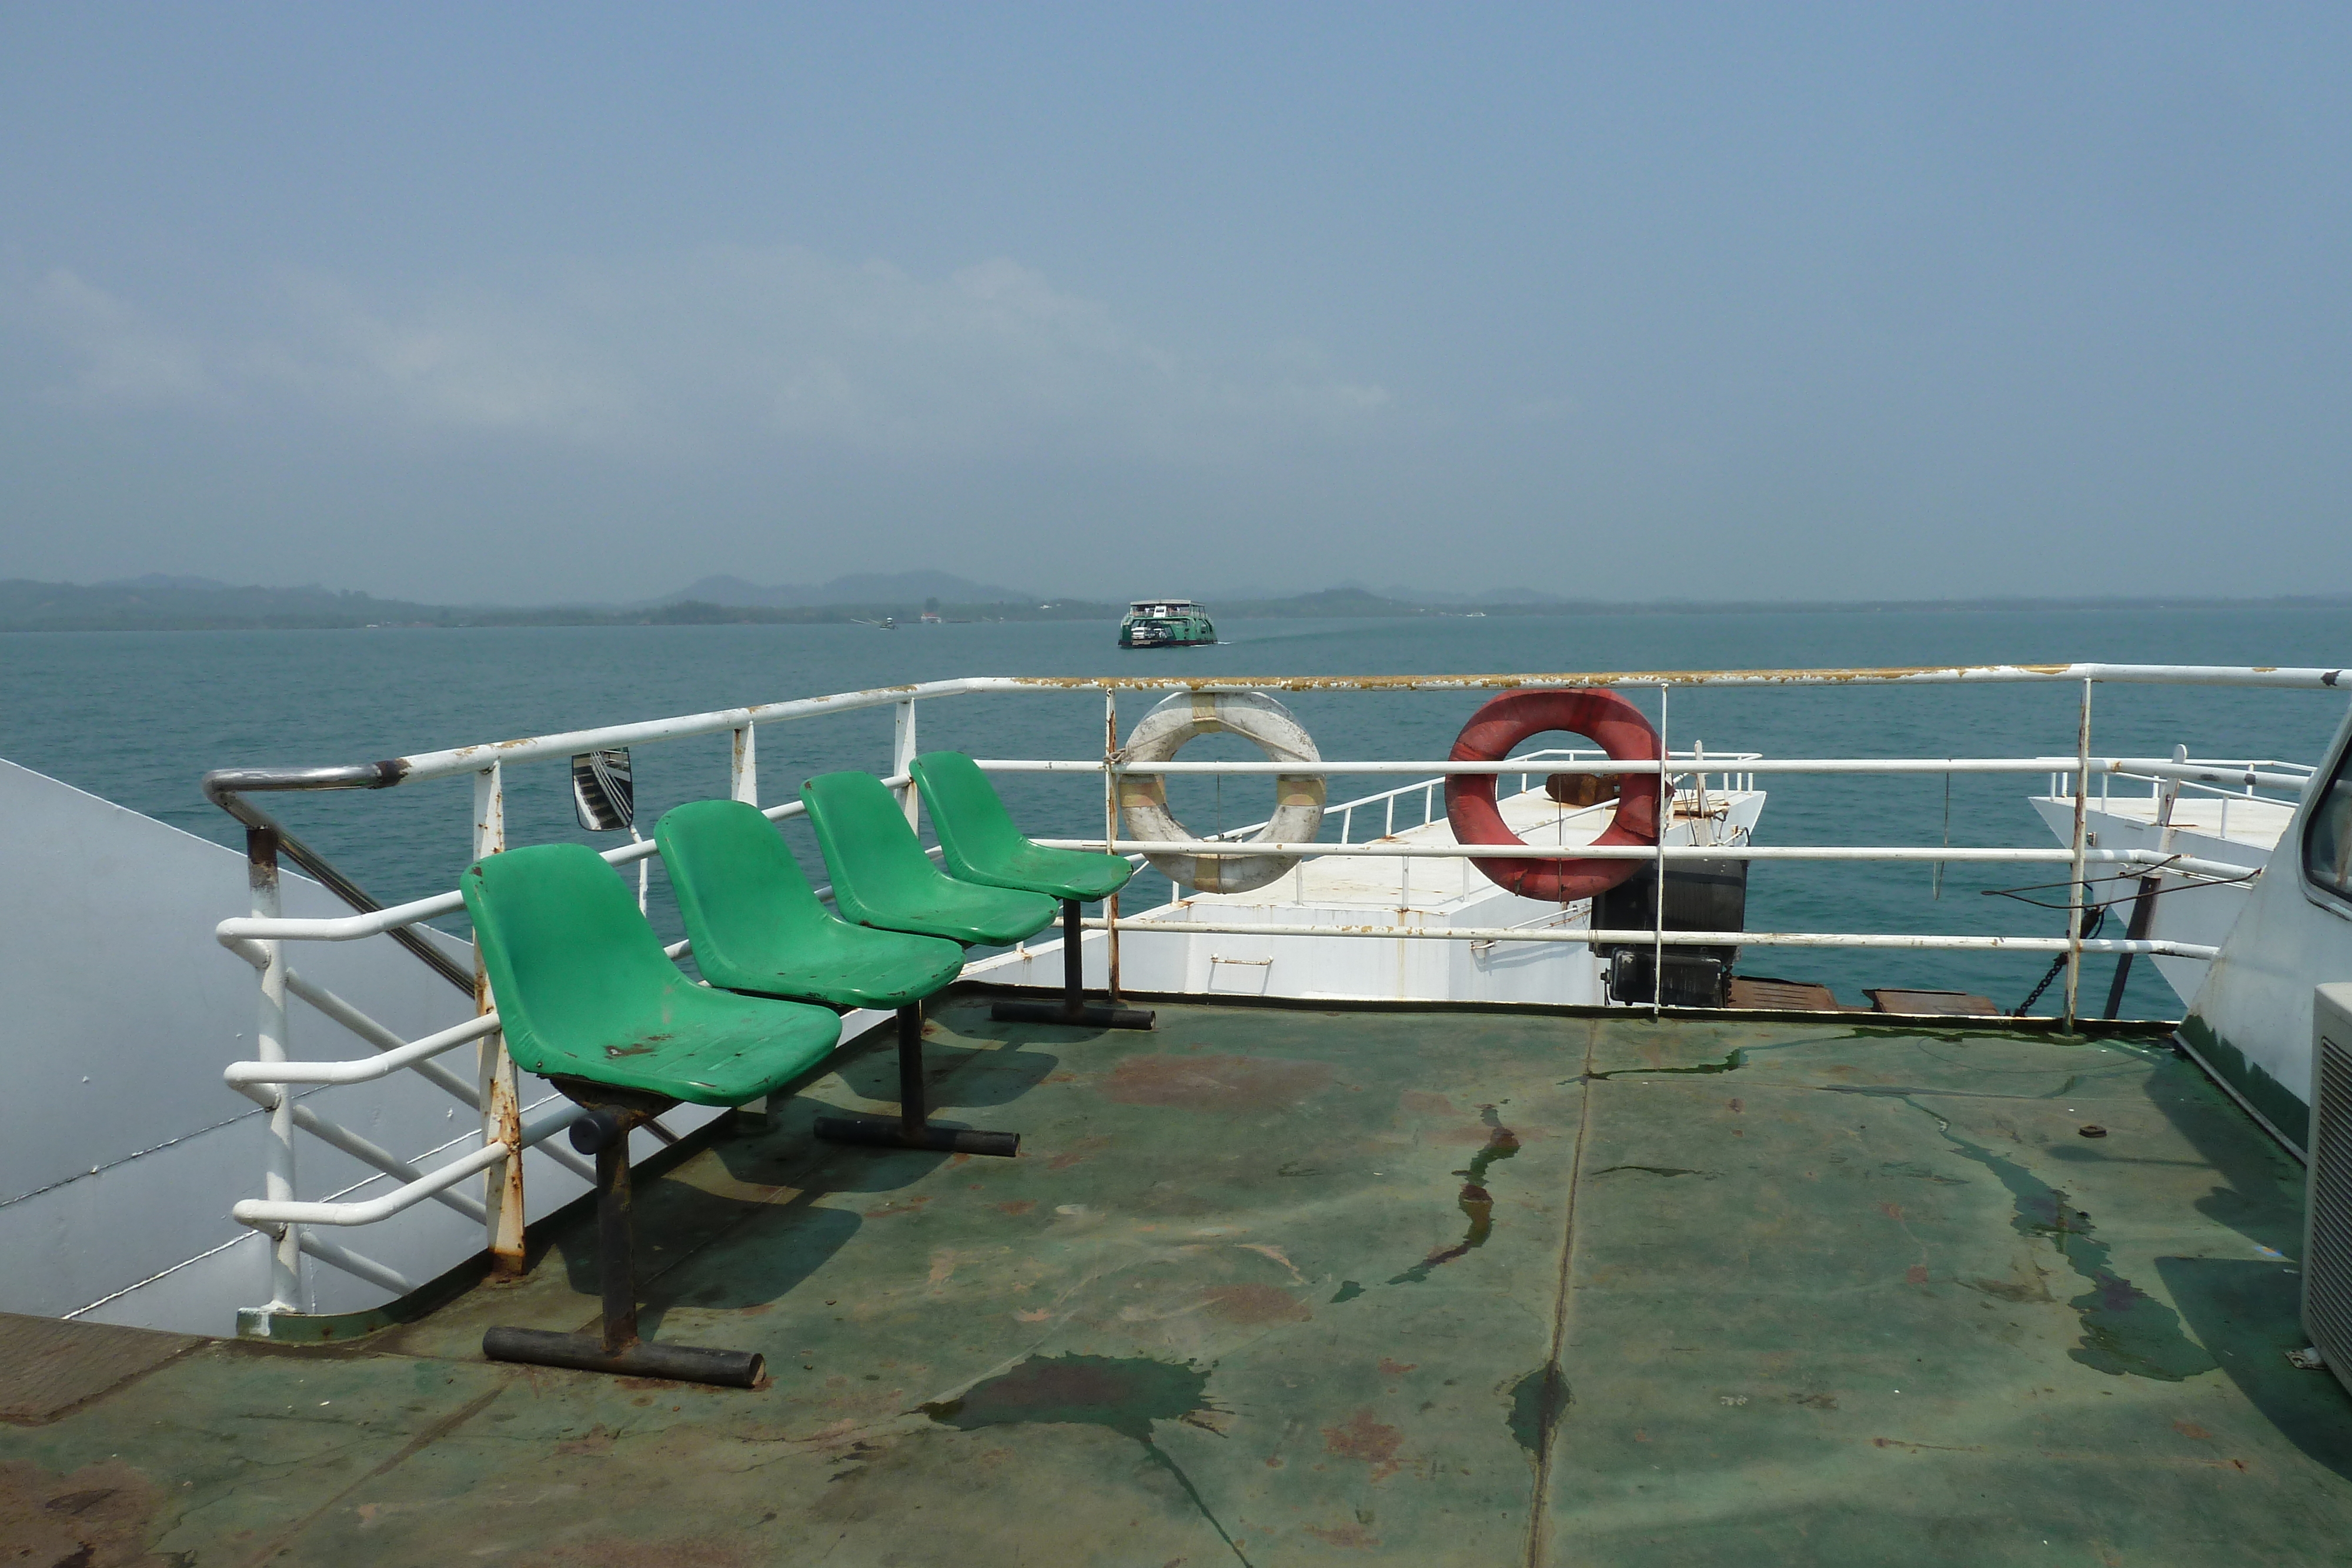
[2064, 767]
[261, 1213]
[350, 1262]
[472, 758]
[1380, 849]
[361, 1149]
[266, 1215]
[366, 1069]
[383, 1159]
[461, 759]
[232, 934]
[338, 1010]
[353, 927]
[342, 928]
[1185, 927]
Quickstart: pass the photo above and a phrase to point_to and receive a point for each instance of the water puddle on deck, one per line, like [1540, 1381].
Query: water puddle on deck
[1124, 1394]
[2124, 1330]
[1477, 1206]
[1733, 1062]
[1538, 1401]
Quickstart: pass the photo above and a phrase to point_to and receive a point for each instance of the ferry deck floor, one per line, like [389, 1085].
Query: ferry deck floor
[1293, 1287]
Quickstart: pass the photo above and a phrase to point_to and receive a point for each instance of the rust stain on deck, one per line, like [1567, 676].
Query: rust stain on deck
[1253, 1304]
[1364, 1436]
[101, 1514]
[1216, 1083]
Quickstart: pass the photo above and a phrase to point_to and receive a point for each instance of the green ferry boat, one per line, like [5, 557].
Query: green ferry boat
[1165, 623]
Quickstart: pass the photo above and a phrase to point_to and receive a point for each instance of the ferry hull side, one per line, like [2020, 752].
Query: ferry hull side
[2249, 1022]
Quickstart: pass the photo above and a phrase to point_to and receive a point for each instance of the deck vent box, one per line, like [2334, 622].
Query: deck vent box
[1694, 978]
[2327, 1208]
[1701, 895]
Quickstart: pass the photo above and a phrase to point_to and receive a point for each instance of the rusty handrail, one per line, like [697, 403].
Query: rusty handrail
[226, 787]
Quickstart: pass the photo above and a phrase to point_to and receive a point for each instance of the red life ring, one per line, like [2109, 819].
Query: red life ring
[1599, 715]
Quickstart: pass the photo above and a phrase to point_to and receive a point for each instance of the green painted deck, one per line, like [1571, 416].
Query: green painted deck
[1285, 1287]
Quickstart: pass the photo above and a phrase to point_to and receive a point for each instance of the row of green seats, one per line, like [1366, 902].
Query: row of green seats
[588, 998]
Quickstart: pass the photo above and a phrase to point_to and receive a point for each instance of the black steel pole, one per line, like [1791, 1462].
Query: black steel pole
[1073, 1008]
[1073, 965]
[2142, 915]
[616, 1264]
[912, 1110]
[619, 1349]
[913, 1130]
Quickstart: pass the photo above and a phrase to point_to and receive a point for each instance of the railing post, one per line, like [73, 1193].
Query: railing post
[1666, 818]
[902, 757]
[501, 1107]
[1702, 825]
[2074, 887]
[743, 774]
[285, 1294]
[1110, 830]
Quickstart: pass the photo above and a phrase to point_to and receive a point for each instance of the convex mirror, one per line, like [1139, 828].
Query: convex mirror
[603, 797]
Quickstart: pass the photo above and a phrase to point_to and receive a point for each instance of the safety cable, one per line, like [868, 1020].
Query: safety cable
[2058, 965]
[2135, 877]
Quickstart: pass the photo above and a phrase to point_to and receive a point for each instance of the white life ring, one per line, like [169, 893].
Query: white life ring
[1256, 717]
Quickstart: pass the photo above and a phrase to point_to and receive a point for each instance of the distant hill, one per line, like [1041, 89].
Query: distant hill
[193, 603]
[157, 602]
[1395, 593]
[155, 580]
[1329, 603]
[160, 602]
[869, 588]
[1488, 596]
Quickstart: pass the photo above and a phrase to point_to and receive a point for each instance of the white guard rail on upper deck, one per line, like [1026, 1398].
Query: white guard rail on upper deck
[260, 936]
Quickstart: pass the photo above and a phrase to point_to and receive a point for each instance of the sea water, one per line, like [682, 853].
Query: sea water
[139, 718]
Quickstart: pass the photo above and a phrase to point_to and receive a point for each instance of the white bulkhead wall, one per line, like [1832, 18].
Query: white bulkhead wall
[2249, 1022]
[120, 1148]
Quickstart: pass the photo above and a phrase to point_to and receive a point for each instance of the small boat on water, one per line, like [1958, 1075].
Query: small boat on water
[1165, 623]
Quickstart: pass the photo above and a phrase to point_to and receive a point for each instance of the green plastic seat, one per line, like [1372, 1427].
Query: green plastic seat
[587, 998]
[980, 844]
[882, 877]
[758, 927]
[584, 991]
[983, 845]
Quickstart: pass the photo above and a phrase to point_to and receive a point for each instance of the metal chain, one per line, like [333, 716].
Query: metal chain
[2058, 965]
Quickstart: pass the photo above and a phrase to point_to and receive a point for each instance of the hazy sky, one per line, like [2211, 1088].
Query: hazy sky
[493, 302]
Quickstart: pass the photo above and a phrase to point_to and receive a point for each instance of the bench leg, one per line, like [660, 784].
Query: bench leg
[617, 1348]
[1074, 1008]
[913, 1130]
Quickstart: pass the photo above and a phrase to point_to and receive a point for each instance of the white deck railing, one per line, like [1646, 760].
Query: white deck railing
[491, 1090]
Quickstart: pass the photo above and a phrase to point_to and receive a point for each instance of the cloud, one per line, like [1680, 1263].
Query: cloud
[725, 346]
[463, 362]
[1548, 409]
[116, 356]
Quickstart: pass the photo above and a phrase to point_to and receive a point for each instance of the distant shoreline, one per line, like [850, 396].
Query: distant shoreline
[64, 607]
